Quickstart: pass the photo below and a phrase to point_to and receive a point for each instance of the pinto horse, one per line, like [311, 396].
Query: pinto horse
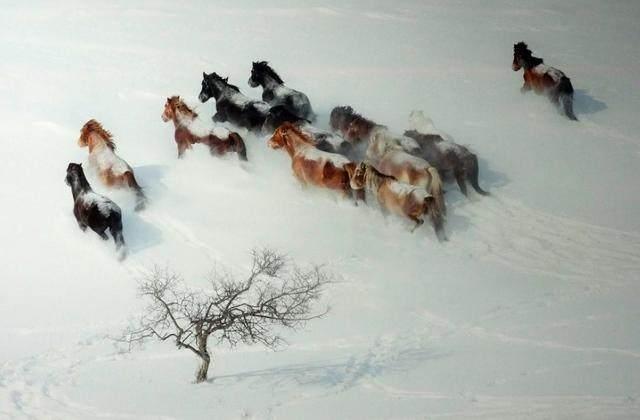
[275, 92]
[220, 141]
[310, 165]
[112, 169]
[94, 210]
[543, 79]
[399, 198]
[389, 157]
[448, 157]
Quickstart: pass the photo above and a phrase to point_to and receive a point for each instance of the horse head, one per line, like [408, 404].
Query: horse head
[278, 139]
[357, 178]
[91, 130]
[520, 53]
[260, 71]
[169, 112]
[212, 85]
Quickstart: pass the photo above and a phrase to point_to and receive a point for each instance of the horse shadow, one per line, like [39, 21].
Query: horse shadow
[489, 179]
[139, 234]
[583, 103]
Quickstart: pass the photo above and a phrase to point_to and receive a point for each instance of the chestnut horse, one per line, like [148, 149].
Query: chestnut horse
[94, 210]
[543, 79]
[451, 159]
[112, 169]
[399, 198]
[220, 141]
[389, 157]
[310, 165]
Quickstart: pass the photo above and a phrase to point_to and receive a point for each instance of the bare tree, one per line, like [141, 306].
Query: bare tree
[275, 293]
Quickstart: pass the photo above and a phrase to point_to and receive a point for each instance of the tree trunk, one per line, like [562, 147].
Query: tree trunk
[201, 374]
[201, 341]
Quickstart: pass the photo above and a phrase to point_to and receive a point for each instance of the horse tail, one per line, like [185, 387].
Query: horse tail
[565, 90]
[435, 189]
[238, 145]
[435, 216]
[141, 198]
[472, 171]
[116, 231]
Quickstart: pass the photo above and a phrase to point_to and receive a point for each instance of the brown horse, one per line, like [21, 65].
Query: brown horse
[220, 141]
[351, 125]
[399, 198]
[113, 170]
[389, 158]
[543, 79]
[310, 165]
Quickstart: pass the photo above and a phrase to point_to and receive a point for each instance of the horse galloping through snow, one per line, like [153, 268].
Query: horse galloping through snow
[219, 140]
[324, 140]
[310, 165]
[388, 156]
[357, 129]
[112, 170]
[543, 79]
[94, 210]
[231, 104]
[276, 93]
[399, 198]
[448, 157]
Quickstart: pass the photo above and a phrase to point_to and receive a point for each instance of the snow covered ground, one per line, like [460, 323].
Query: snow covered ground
[529, 311]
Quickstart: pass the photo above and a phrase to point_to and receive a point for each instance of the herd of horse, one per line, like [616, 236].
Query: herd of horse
[404, 172]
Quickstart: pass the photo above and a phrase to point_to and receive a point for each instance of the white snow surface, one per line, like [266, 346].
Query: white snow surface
[530, 310]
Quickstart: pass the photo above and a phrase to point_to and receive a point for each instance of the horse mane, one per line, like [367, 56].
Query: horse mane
[179, 105]
[373, 177]
[76, 169]
[224, 80]
[305, 138]
[93, 126]
[521, 49]
[263, 67]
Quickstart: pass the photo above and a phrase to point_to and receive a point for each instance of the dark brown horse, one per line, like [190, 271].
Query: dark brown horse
[220, 141]
[451, 159]
[113, 170]
[310, 165]
[543, 79]
[94, 210]
[399, 198]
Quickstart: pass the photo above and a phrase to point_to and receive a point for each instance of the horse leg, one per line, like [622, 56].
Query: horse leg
[141, 199]
[418, 221]
[472, 170]
[100, 230]
[82, 225]
[461, 180]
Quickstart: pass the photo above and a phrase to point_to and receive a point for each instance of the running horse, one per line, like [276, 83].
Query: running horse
[451, 159]
[112, 169]
[187, 132]
[94, 210]
[274, 91]
[397, 197]
[310, 165]
[543, 79]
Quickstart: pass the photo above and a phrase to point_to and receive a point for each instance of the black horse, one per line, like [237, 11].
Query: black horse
[276, 93]
[238, 109]
[94, 210]
[543, 79]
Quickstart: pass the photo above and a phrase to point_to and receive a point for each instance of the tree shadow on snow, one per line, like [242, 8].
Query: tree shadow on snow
[342, 375]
